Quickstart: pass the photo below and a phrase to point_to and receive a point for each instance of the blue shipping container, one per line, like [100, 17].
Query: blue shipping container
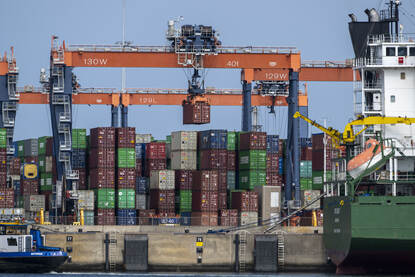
[16, 186]
[140, 150]
[281, 166]
[213, 139]
[78, 158]
[15, 148]
[185, 218]
[141, 185]
[126, 217]
[305, 142]
[273, 144]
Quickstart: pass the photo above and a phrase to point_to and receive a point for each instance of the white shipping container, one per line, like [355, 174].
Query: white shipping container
[142, 138]
[248, 218]
[141, 201]
[48, 164]
[34, 203]
[12, 211]
[162, 179]
[86, 199]
[307, 196]
[269, 201]
[184, 140]
[184, 160]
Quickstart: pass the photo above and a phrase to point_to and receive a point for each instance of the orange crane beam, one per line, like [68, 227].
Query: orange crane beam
[149, 97]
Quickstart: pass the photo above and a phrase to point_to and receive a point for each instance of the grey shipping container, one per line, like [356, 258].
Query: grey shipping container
[86, 199]
[31, 147]
[162, 179]
[141, 201]
[248, 218]
[34, 203]
[183, 159]
[269, 200]
[307, 196]
[142, 138]
[183, 140]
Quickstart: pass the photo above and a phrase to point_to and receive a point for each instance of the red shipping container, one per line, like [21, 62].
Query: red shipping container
[204, 219]
[231, 160]
[273, 179]
[102, 178]
[163, 201]
[125, 137]
[205, 201]
[222, 180]
[318, 142]
[206, 180]
[253, 141]
[31, 160]
[197, 113]
[306, 153]
[29, 186]
[145, 217]
[228, 217]
[166, 215]
[3, 178]
[102, 137]
[138, 167]
[184, 179]
[102, 158]
[213, 159]
[105, 217]
[318, 160]
[48, 195]
[49, 146]
[126, 178]
[155, 150]
[154, 164]
[7, 198]
[223, 200]
[15, 166]
[82, 183]
[272, 162]
[246, 201]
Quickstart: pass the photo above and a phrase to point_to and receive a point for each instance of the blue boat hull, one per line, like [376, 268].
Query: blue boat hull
[31, 262]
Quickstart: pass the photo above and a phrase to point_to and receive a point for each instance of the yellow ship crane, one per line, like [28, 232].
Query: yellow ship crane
[348, 136]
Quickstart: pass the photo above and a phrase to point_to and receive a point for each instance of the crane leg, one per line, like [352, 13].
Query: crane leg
[114, 116]
[124, 116]
[246, 107]
[292, 168]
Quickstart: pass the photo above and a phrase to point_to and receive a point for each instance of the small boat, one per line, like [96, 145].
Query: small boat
[26, 253]
[369, 160]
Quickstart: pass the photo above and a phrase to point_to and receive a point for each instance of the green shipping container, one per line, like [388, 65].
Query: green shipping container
[168, 139]
[45, 181]
[126, 199]
[306, 183]
[42, 163]
[306, 170]
[3, 139]
[184, 201]
[88, 217]
[41, 145]
[317, 178]
[105, 198]
[79, 139]
[20, 149]
[249, 179]
[253, 160]
[126, 158]
[19, 202]
[231, 144]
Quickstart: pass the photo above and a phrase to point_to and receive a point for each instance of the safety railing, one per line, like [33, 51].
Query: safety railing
[399, 38]
[339, 64]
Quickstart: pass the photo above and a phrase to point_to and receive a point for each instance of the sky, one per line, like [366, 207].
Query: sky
[317, 28]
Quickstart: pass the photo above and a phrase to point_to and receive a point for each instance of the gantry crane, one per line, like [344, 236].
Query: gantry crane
[270, 67]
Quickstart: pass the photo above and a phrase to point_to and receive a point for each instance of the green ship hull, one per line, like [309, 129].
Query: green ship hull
[370, 234]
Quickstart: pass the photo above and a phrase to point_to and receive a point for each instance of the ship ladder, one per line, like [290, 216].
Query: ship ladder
[280, 251]
[112, 252]
[242, 251]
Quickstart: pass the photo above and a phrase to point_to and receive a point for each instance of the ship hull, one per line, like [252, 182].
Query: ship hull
[31, 264]
[370, 234]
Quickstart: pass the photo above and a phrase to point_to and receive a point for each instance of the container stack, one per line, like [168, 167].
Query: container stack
[79, 146]
[154, 156]
[306, 181]
[184, 184]
[231, 160]
[45, 169]
[102, 173]
[246, 203]
[252, 160]
[320, 142]
[86, 202]
[183, 150]
[162, 194]
[214, 156]
[273, 178]
[205, 198]
[126, 176]
[142, 189]
[30, 184]
[6, 194]
[269, 207]
[140, 141]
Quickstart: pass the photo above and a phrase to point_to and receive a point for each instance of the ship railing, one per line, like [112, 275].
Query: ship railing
[361, 62]
[324, 64]
[399, 38]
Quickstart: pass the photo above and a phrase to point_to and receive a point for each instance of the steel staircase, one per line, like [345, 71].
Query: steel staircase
[281, 251]
[112, 259]
[242, 251]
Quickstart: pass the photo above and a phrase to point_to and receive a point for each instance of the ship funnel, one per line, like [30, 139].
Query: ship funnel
[373, 15]
[353, 17]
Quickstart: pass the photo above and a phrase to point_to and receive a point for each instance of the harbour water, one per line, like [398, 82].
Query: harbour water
[184, 275]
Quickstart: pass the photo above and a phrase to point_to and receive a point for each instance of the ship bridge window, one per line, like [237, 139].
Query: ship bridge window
[403, 76]
[392, 98]
[402, 51]
[411, 51]
[11, 241]
[390, 51]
